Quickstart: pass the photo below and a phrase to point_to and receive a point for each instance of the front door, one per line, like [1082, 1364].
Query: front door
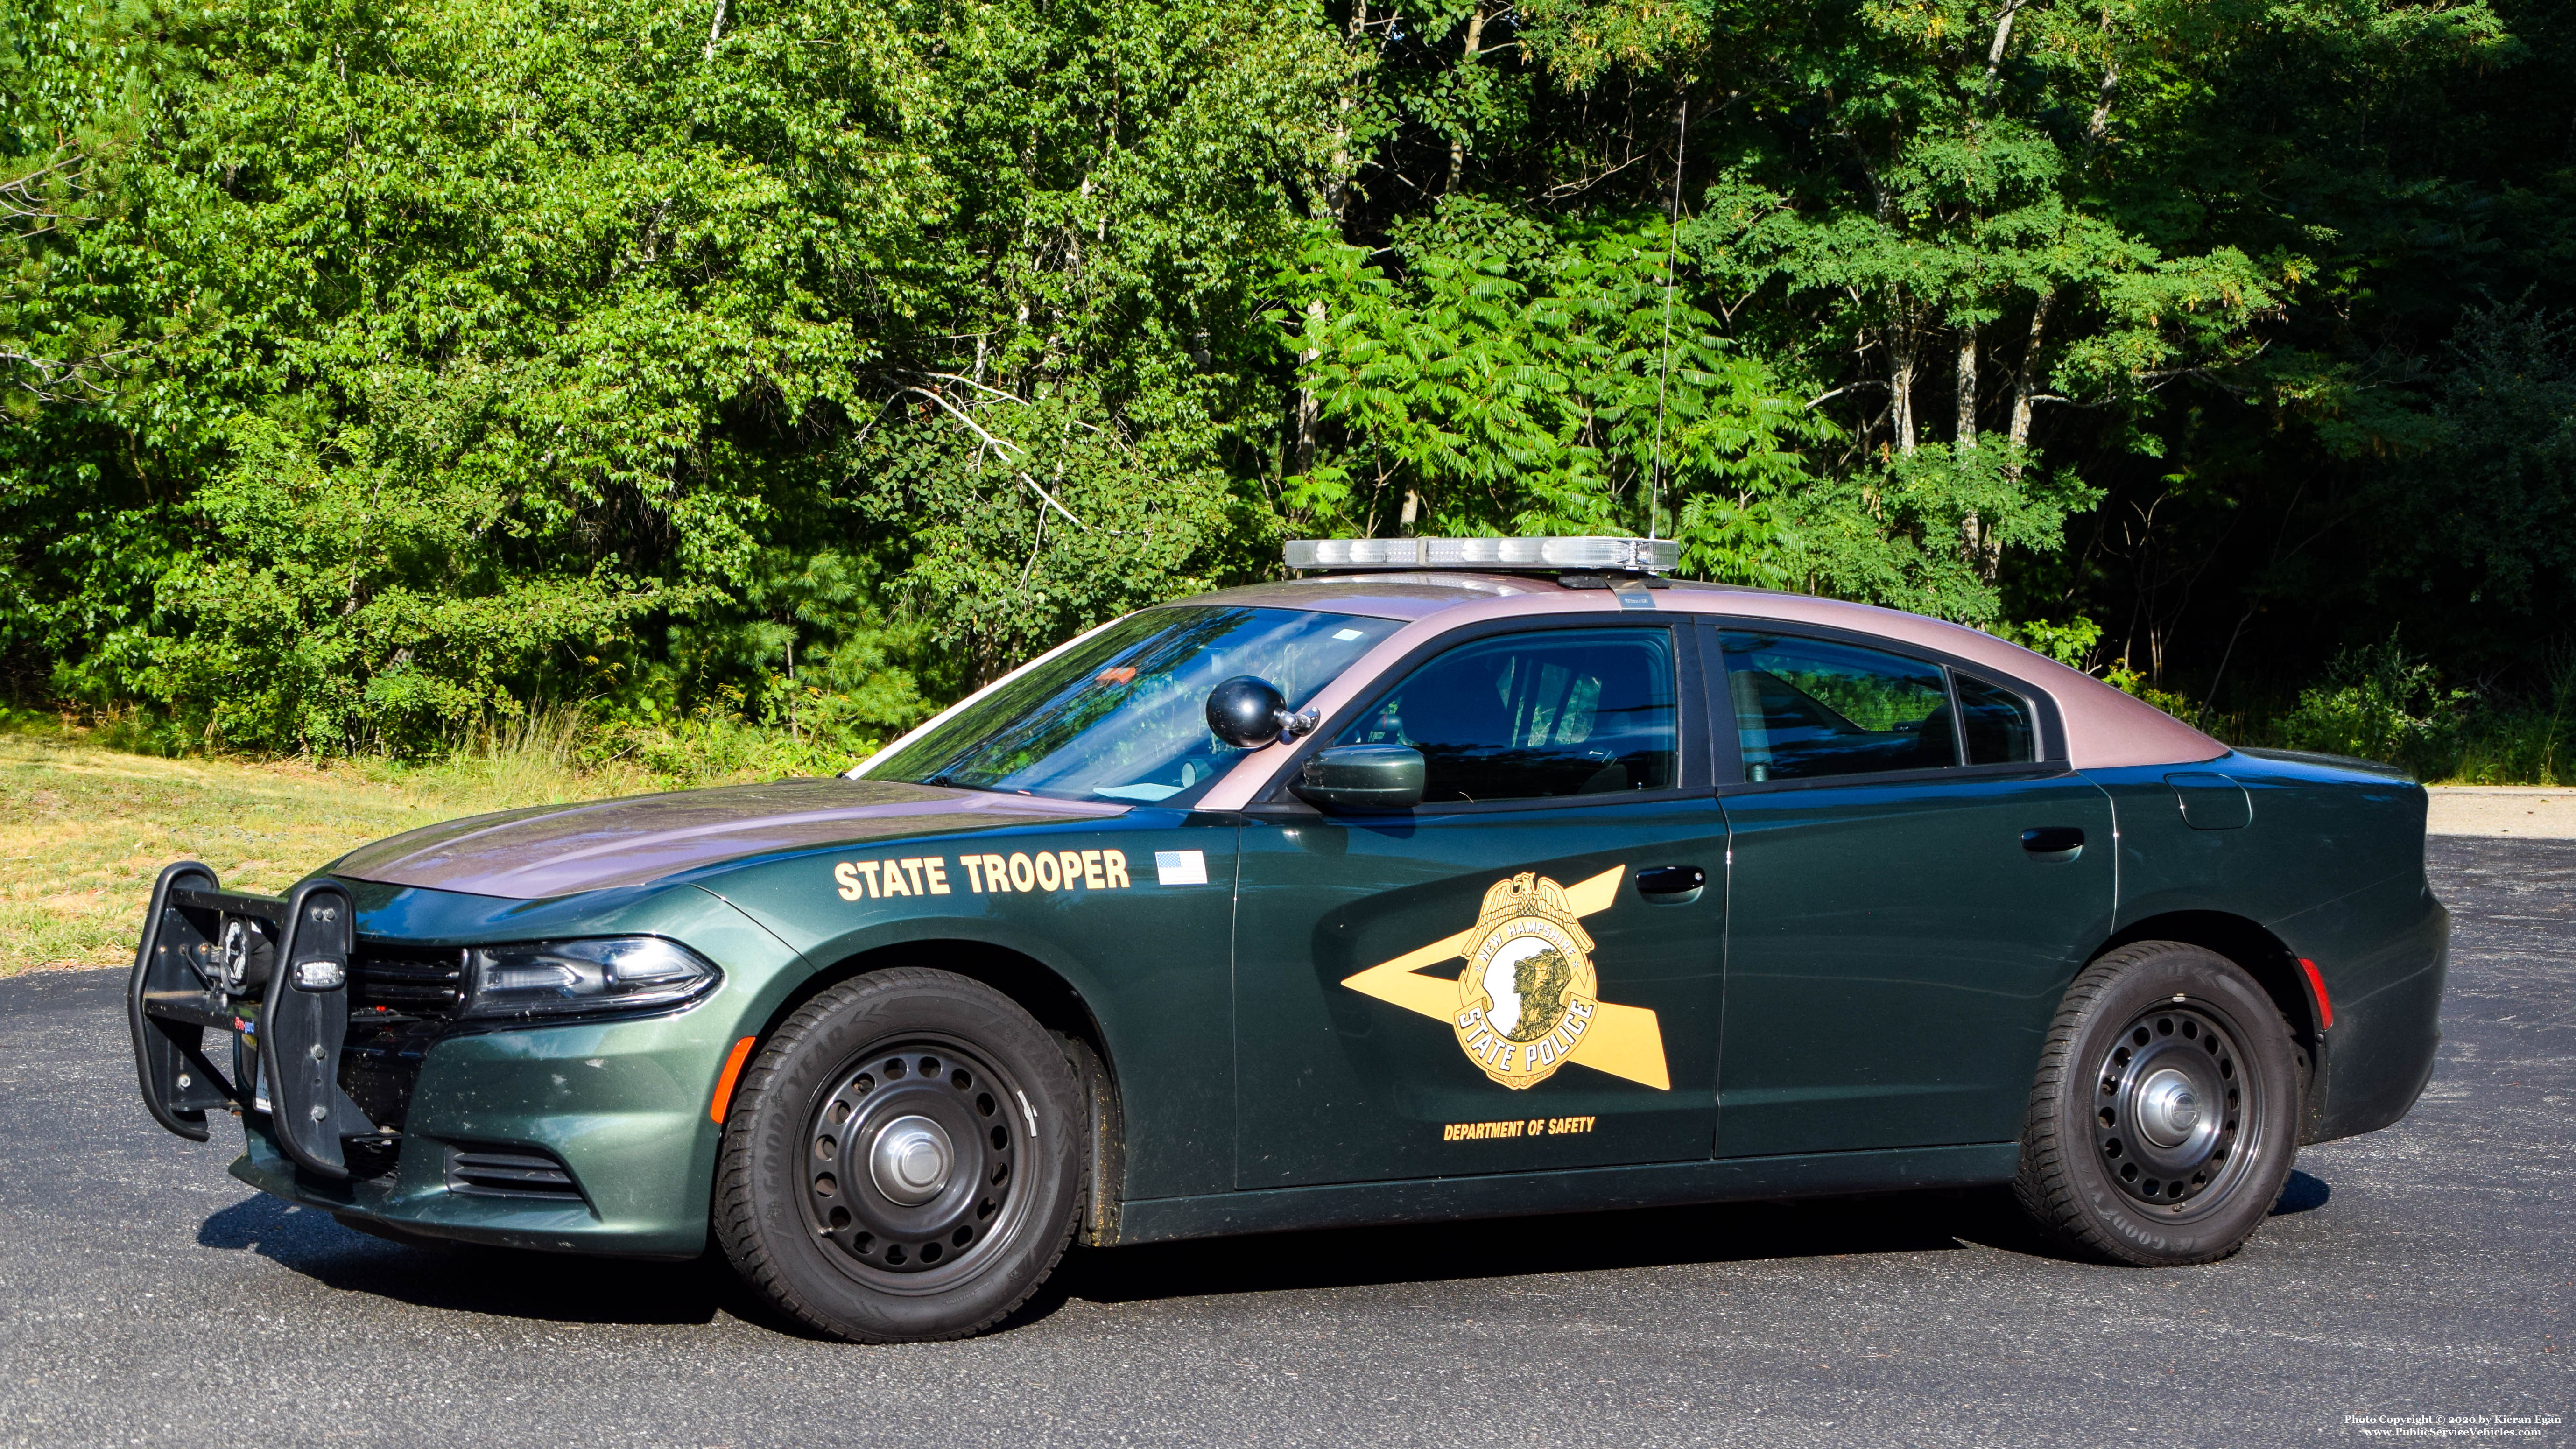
[1899, 937]
[1518, 974]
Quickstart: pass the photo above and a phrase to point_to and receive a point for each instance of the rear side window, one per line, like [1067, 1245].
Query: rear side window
[1995, 722]
[1810, 707]
[1532, 716]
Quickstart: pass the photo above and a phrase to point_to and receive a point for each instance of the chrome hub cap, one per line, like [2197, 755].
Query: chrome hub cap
[912, 1165]
[911, 1160]
[2167, 1110]
[2175, 1115]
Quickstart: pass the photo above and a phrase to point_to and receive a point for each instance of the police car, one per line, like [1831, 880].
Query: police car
[1449, 878]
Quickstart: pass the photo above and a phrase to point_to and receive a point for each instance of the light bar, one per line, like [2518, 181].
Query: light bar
[1616, 555]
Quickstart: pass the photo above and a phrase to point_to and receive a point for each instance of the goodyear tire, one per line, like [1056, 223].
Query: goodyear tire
[903, 1159]
[2165, 1116]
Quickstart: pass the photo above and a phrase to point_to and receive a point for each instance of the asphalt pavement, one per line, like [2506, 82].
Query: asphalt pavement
[2425, 1270]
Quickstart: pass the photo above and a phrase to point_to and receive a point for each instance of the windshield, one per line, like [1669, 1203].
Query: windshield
[1123, 715]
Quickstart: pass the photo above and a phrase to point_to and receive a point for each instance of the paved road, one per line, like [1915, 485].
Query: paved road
[145, 1297]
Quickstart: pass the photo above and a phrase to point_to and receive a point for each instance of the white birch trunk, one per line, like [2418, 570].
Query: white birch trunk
[1467, 57]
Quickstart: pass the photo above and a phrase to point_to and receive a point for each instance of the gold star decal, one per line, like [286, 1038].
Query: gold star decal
[1526, 1003]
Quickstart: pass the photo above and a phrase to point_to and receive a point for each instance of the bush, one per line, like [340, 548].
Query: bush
[712, 748]
[565, 752]
[2532, 743]
[2379, 703]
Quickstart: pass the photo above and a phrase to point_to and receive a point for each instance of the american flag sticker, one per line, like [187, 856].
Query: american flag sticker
[1180, 867]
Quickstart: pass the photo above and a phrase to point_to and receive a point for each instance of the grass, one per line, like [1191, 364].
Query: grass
[84, 828]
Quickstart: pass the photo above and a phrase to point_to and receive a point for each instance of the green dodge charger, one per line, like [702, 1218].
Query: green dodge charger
[1448, 878]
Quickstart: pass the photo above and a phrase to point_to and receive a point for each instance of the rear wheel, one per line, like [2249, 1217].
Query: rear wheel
[903, 1160]
[2165, 1116]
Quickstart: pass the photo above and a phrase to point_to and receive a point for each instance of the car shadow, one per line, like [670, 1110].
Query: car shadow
[547, 1287]
[1576, 1243]
[2300, 1194]
[562, 1288]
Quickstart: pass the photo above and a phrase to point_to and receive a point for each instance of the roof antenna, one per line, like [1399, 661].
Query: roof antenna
[1663, 378]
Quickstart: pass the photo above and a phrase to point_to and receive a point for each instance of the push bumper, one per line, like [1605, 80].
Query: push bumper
[270, 975]
[586, 1135]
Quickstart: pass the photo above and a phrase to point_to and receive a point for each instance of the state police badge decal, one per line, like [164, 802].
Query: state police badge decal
[1528, 993]
[1528, 1000]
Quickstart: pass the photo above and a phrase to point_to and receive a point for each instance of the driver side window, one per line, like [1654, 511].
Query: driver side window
[1538, 715]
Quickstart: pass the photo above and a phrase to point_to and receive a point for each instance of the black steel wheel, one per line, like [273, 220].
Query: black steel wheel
[2164, 1118]
[912, 1158]
[903, 1159]
[2175, 1120]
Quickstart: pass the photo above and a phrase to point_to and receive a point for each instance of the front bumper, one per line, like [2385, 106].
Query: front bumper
[620, 1106]
[580, 1136]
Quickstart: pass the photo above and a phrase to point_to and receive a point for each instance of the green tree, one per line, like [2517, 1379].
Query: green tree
[511, 352]
[374, 367]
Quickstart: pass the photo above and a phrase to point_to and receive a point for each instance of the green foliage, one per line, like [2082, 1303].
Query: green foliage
[670, 361]
[1919, 530]
[2525, 742]
[1515, 379]
[2485, 517]
[1518, 380]
[2381, 703]
[2070, 643]
[752, 377]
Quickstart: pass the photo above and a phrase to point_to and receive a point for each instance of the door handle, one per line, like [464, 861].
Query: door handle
[2053, 840]
[1671, 882]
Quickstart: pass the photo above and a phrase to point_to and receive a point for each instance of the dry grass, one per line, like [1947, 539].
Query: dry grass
[84, 829]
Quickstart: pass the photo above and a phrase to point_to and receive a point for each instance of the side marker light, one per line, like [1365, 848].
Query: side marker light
[2317, 984]
[724, 1082]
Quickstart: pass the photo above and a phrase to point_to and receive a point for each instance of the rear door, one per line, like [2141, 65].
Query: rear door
[1481, 984]
[1899, 936]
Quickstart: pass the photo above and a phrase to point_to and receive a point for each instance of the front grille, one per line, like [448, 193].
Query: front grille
[422, 981]
[509, 1172]
[400, 999]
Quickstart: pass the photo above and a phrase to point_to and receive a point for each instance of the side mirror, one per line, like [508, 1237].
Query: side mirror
[1248, 713]
[1373, 777]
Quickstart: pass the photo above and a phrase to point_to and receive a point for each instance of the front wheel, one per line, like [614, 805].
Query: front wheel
[2165, 1116]
[903, 1160]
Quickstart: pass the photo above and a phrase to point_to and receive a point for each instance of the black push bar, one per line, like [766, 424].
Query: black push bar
[272, 972]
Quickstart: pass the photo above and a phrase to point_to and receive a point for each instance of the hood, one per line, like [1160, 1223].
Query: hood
[555, 850]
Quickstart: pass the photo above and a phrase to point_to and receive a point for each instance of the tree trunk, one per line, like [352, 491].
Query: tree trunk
[1967, 433]
[1475, 43]
[2102, 107]
[2026, 381]
[2110, 87]
[1901, 343]
[1309, 407]
[1335, 200]
[2003, 37]
[1974, 545]
[1337, 185]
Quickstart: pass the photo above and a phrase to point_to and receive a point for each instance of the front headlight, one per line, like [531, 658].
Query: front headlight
[558, 978]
